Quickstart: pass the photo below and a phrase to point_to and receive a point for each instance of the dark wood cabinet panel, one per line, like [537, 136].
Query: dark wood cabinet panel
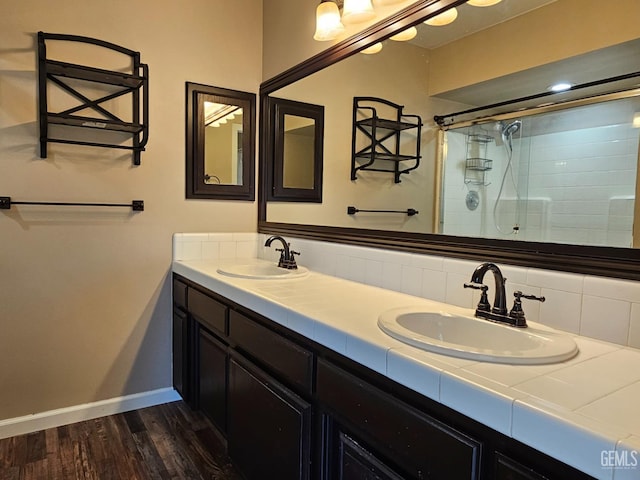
[508, 469]
[268, 426]
[421, 445]
[212, 378]
[207, 311]
[179, 294]
[180, 354]
[356, 463]
[278, 355]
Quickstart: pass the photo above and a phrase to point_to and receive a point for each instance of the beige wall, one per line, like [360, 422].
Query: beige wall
[84, 297]
[376, 76]
[575, 26]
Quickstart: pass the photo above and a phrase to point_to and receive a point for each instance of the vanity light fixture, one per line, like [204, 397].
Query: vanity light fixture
[483, 3]
[445, 18]
[356, 11]
[405, 35]
[560, 87]
[328, 24]
[375, 48]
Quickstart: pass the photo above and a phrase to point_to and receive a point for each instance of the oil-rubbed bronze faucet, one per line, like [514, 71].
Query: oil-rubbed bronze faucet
[498, 313]
[287, 259]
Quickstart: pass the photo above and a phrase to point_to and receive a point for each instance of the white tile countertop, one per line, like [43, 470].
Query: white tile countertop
[583, 412]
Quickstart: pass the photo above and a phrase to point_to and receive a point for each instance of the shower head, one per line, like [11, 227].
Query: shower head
[509, 129]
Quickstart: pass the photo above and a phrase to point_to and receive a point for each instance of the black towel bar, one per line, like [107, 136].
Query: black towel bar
[135, 205]
[409, 211]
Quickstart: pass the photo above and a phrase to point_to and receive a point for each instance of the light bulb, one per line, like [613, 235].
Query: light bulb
[328, 24]
[560, 87]
[483, 3]
[405, 35]
[375, 48]
[445, 18]
[356, 11]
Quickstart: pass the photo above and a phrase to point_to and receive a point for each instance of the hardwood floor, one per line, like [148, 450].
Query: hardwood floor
[163, 442]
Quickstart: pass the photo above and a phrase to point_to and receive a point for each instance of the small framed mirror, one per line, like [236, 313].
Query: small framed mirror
[296, 133]
[220, 156]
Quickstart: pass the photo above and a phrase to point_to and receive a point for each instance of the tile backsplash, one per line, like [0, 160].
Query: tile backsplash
[597, 307]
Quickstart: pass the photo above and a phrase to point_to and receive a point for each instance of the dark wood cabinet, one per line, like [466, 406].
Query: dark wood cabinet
[291, 363]
[290, 408]
[180, 353]
[181, 342]
[269, 426]
[508, 469]
[354, 462]
[420, 445]
[212, 378]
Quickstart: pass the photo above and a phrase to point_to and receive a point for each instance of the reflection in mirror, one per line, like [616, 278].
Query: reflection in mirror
[297, 162]
[563, 176]
[488, 56]
[296, 166]
[220, 143]
[446, 69]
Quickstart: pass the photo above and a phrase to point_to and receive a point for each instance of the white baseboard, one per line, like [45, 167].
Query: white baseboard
[64, 416]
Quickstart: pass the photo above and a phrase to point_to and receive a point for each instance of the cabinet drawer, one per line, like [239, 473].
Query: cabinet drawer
[280, 356]
[421, 445]
[179, 294]
[208, 312]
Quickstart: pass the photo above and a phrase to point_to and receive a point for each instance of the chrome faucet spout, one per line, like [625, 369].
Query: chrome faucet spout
[499, 300]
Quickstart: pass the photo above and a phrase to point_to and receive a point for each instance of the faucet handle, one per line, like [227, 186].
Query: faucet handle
[290, 264]
[483, 304]
[516, 312]
[520, 295]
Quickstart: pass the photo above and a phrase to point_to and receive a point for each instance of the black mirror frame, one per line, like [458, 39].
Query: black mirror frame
[195, 186]
[623, 263]
[276, 110]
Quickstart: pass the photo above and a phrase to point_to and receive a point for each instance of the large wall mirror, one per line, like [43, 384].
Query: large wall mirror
[548, 181]
[220, 129]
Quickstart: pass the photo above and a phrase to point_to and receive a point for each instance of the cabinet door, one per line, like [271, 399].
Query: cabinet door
[181, 354]
[212, 378]
[268, 429]
[508, 469]
[356, 463]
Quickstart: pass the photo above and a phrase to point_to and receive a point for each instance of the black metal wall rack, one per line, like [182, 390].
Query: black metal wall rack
[134, 83]
[135, 205]
[382, 138]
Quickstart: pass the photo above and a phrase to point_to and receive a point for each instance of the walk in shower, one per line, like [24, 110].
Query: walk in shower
[564, 176]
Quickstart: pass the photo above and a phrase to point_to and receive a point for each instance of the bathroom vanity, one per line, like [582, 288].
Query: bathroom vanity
[296, 396]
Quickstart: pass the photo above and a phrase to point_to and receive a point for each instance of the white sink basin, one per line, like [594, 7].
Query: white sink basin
[261, 271]
[472, 338]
